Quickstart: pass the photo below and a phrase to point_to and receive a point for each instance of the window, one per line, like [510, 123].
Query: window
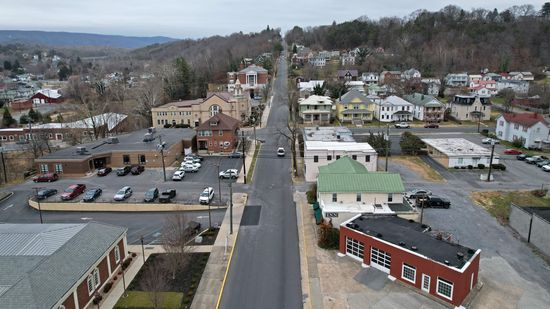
[221, 133]
[354, 157]
[380, 258]
[337, 157]
[126, 159]
[499, 133]
[90, 284]
[97, 280]
[214, 109]
[460, 160]
[358, 197]
[329, 158]
[11, 136]
[334, 197]
[142, 159]
[117, 254]
[409, 273]
[426, 283]
[367, 158]
[355, 248]
[43, 168]
[516, 126]
[445, 288]
[315, 158]
[59, 168]
[93, 281]
[390, 197]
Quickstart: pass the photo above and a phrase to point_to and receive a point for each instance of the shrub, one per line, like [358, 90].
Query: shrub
[517, 143]
[97, 299]
[470, 167]
[463, 167]
[312, 194]
[456, 167]
[107, 287]
[167, 125]
[539, 192]
[134, 254]
[481, 166]
[485, 132]
[126, 263]
[329, 237]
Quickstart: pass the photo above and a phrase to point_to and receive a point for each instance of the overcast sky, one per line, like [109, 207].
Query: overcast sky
[194, 19]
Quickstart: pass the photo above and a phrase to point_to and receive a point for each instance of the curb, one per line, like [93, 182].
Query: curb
[122, 207]
[6, 197]
[227, 270]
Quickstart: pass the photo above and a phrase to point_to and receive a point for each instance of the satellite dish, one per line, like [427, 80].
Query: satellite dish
[226, 144]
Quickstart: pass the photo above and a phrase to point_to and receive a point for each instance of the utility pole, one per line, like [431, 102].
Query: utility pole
[161, 146]
[142, 249]
[38, 200]
[491, 160]
[422, 201]
[3, 163]
[230, 208]
[244, 158]
[387, 145]
[219, 182]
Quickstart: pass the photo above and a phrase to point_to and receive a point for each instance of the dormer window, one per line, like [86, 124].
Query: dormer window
[213, 123]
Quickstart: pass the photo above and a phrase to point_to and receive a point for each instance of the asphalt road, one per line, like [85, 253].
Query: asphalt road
[265, 269]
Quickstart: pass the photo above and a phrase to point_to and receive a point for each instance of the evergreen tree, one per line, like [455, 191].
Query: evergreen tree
[7, 65]
[319, 89]
[34, 116]
[294, 49]
[545, 11]
[7, 119]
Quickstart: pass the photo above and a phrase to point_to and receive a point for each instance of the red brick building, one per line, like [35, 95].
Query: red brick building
[46, 96]
[218, 134]
[58, 265]
[407, 251]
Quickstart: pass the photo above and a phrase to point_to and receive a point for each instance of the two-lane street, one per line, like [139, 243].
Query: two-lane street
[265, 269]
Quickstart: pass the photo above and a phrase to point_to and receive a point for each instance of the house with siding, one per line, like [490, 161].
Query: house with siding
[58, 265]
[394, 108]
[354, 106]
[219, 134]
[426, 107]
[470, 107]
[315, 109]
[531, 128]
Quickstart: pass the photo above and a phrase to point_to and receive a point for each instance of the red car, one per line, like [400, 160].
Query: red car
[512, 152]
[48, 177]
[432, 125]
[73, 191]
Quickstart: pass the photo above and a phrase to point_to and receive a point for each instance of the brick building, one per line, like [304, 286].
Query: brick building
[412, 254]
[218, 134]
[46, 96]
[57, 265]
[125, 149]
[252, 79]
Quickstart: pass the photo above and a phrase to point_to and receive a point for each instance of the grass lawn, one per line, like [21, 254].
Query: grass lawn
[418, 166]
[138, 299]
[253, 164]
[497, 203]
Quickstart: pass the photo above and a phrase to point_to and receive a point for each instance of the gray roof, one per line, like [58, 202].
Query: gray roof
[423, 100]
[354, 94]
[39, 278]
[253, 68]
[126, 142]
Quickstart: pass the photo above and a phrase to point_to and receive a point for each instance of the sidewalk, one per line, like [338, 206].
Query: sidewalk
[248, 161]
[213, 279]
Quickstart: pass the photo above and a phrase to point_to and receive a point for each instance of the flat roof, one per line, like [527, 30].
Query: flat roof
[328, 134]
[457, 147]
[126, 142]
[407, 233]
[543, 212]
[332, 145]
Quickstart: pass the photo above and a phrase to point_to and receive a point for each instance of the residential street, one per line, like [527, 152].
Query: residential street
[265, 269]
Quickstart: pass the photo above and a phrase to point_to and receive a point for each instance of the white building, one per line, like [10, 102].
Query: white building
[458, 152]
[531, 128]
[324, 145]
[457, 79]
[393, 108]
[358, 85]
[308, 86]
[519, 86]
[318, 61]
[431, 85]
[525, 76]
[370, 78]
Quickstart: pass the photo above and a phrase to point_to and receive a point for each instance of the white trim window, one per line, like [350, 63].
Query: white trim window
[409, 273]
[117, 254]
[93, 281]
[426, 280]
[445, 288]
[59, 168]
[97, 279]
[43, 168]
[355, 248]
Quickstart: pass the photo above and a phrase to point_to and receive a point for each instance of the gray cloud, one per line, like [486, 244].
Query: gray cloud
[184, 18]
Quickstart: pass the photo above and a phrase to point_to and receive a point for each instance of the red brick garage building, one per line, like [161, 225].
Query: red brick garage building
[406, 251]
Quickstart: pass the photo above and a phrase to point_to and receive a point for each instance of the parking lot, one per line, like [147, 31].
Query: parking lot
[188, 190]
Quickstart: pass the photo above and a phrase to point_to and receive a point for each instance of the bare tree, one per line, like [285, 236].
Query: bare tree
[148, 96]
[154, 282]
[175, 237]
[291, 134]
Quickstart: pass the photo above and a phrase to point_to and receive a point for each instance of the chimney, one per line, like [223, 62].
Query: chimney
[241, 66]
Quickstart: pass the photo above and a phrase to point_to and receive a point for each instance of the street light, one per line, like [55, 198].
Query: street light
[491, 160]
[161, 147]
[38, 200]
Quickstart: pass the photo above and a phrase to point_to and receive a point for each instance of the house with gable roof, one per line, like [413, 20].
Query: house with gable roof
[354, 106]
[218, 134]
[426, 107]
[315, 109]
[531, 128]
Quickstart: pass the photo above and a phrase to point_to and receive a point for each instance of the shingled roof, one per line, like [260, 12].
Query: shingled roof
[221, 121]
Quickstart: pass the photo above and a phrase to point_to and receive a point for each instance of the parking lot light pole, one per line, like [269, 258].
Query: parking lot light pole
[244, 158]
[161, 147]
[491, 160]
[219, 182]
[38, 201]
[142, 248]
[230, 208]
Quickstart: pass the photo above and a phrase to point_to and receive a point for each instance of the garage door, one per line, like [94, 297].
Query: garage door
[355, 248]
[380, 259]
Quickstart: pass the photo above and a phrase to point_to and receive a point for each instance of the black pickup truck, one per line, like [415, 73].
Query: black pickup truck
[167, 196]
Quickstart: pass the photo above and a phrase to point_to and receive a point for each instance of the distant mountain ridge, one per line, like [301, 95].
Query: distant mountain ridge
[79, 39]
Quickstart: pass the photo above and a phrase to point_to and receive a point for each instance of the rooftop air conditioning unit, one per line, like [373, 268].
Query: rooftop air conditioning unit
[81, 150]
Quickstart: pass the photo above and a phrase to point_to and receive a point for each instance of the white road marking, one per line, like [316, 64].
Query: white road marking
[86, 218]
[8, 207]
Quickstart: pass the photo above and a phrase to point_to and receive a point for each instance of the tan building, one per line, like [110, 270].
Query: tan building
[470, 107]
[194, 112]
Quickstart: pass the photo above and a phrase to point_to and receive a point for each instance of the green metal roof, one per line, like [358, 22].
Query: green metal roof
[344, 165]
[347, 175]
[423, 100]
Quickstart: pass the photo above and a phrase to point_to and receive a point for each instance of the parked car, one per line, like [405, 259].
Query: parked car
[123, 171]
[432, 125]
[489, 140]
[189, 168]
[137, 169]
[413, 194]
[437, 202]
[123, 194]
[402, 125]
[235, 154]
[543, 163]
[522, 157]
[45, 193]
[178, 175]
[280, 152]
[92, 194]
[535, 159]
[151, 195]
[73, 191]
[192, 159]
[104, 171]
[196, 156]
[189, 162]
[512, 152]
[206, 195]
[47, 177]
[167, 195]
[546, 168]
[229, 174]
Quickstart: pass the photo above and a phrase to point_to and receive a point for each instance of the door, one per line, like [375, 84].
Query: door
[355, 249]
[426, 283]
[380, 260]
